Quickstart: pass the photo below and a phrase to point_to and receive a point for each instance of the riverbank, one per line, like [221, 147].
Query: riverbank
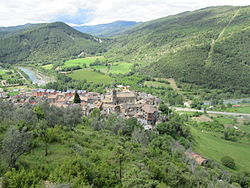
[36, 77]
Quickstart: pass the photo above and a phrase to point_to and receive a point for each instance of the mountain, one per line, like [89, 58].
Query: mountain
[107, 30]
[208, 47]
[47, 42]
[13, 29]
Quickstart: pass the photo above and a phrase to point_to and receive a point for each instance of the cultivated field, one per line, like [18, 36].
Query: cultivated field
[2, 71]
[244, 108]
[115, 68]
[82, 61]
[90, 76]
[48, 67]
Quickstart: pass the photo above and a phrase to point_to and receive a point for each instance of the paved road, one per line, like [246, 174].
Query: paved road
[212, 112]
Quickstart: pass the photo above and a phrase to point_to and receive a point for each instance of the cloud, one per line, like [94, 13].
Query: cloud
[14, 12]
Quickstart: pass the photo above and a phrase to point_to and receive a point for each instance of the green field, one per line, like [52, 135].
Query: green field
[121, 68]
[245, 108]
[82, 61]
[3, 71]
[116, 68]
[48, 67]
[90, 76]
[211, 146]
[156, 84]
[225, 119]
[101, 68]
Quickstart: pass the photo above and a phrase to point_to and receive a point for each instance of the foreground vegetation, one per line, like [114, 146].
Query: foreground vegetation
[58, 146]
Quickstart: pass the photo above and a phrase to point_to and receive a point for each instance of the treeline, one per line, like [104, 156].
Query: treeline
[57, 146]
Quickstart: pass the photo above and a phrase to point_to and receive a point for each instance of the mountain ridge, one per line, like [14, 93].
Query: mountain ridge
[178, 46]
[46, 42]
[109, 29]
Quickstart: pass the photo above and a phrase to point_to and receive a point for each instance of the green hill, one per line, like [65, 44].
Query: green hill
[47, 42]
[208, 46]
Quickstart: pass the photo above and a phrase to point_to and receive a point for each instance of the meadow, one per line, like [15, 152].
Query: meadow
[244, 108]
[2, 71]
[48, 67]
[121, 68]
[116, 68]
[90, 76]
[212, 146]
[82, 61]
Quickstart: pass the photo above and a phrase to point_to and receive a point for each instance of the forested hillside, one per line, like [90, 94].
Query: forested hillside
[107, 30]
[47, 42]
[13, 29]
[207, 46]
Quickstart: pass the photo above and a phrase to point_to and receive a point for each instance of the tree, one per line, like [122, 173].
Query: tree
[174, 127]
[120, 156]
[15, 144]
[77, 98]
[228, 162]
[165, 109]
[42, 130]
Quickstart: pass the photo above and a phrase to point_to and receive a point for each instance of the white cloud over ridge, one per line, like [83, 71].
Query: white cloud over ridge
[17, 12]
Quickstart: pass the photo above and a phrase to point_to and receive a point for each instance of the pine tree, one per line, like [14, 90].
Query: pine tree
[77, 98]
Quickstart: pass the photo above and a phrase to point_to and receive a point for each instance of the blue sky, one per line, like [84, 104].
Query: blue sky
[90, 12]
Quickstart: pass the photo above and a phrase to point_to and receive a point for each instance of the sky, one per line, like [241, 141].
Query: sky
[91, 12]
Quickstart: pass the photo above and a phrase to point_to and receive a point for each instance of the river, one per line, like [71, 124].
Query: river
[36, 78]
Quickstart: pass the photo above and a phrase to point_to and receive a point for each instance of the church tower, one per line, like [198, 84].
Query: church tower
[114, 96]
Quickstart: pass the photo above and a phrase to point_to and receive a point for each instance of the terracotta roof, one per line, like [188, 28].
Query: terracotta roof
[149, 108]
[198, 158]
[52, 97]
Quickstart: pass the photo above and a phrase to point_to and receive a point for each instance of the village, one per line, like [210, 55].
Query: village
[121, 101]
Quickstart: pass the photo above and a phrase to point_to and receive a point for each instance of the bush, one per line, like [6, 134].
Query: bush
[228, 162]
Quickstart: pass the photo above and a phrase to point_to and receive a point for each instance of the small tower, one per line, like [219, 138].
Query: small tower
[114, 96]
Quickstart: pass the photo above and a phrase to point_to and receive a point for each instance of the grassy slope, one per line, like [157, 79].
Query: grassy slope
[178, 46]
[90, 76]
[215, 148]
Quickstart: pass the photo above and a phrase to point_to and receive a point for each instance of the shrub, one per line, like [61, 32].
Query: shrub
[228, 162]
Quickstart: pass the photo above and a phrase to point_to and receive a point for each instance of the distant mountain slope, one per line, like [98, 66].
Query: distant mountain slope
[208, 46]
[47, 42]
[13, 29]
[107, 30]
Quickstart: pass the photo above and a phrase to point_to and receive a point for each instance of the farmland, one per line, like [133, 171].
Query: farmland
[11, 76]
[211, 142]
[120, 68]
[48, 67]
[114, 68]
[212, 146]
[244, 108]
[82, 61]
[2, 71]
[90, 76]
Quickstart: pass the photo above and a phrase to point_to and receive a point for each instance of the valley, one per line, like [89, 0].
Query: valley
[162, 103]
